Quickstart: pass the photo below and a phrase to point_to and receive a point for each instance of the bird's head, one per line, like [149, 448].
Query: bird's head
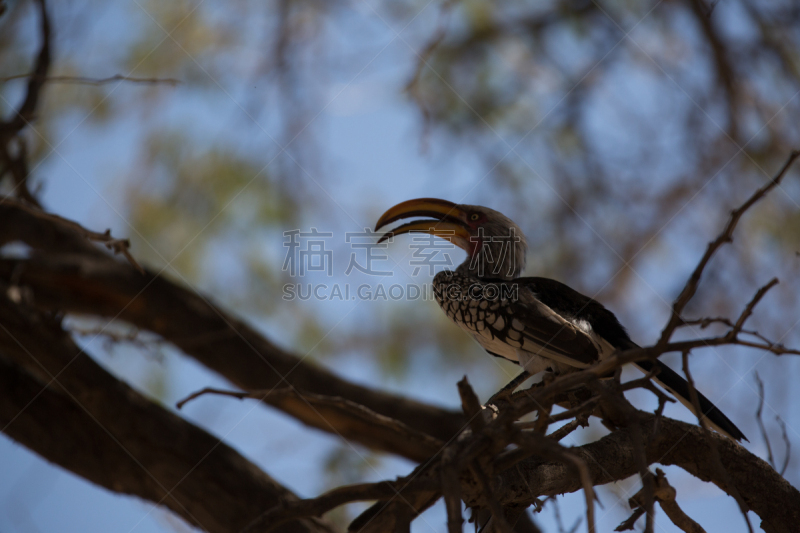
[494, 244]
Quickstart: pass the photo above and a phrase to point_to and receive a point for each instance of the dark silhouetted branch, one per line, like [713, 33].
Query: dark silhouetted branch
[25, 113]
[82, 80]
[63, 406]
[726, 236]
[342, 417]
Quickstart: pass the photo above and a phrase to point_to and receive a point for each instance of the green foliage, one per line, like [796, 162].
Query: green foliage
[188, 201]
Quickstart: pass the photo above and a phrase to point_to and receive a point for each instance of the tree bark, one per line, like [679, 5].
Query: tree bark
[81, 279]
[61, 404]
[612, 458]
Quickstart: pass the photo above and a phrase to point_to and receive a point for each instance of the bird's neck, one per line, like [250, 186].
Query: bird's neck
[481, 266]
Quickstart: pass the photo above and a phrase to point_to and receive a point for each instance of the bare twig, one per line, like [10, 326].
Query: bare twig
[648, 484]
[82, 80]
[451, 489]
[292, 510]
[645, 383]
[342, 417]
[17, 165]
[585, 408]
[726, 236]
[222, 392]
[659, 413]
[748, 310]
[470, 405]
[787, 443]
[628, 524]
[508, 388]
[27, 109]
[760, 420]
[665, 495]
[717, 461]
[569, 427]
[705, 322]
[118, 246]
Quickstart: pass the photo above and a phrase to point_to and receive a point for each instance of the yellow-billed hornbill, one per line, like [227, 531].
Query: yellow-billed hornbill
[538, 323]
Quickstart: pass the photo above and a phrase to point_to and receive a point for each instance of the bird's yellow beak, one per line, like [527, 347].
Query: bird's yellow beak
[450, 221]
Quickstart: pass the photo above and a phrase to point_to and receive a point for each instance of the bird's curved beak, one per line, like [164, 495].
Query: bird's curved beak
[449, 221]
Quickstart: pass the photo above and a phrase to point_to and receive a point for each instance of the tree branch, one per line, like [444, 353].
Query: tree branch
[612, 458]
[63, 406]
[82, 80]
[118, 246]
[342, 417]
[726, 236]
[25, 113]
[91, 282]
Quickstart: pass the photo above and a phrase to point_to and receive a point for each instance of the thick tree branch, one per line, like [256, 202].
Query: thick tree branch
[63, 406]
[612, 458]
[87, 281]
[36, 218]
[90, 282]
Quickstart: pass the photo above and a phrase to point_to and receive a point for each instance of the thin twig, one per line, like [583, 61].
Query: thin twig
[27, 109]
[787, 443]
[631, 521]
[222, 392]
[748, 310]
[664, 494]
[705, 322]
[659, 413]
[732, 489]
[760, 420]
[121, 246]
[509, 388]
[94, 81]
[569, 427]
[648, 483]
[586, 407]
[645, 383]
[726, 236]
[451, 489]
[470, 405]
[292, 510]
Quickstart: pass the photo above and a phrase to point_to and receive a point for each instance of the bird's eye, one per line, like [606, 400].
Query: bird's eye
[474, 217]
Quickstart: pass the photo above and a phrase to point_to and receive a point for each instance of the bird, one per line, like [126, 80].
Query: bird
[541, 324]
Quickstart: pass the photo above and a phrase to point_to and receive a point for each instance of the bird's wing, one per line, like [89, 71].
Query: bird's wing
[568, 324]
[543, 331]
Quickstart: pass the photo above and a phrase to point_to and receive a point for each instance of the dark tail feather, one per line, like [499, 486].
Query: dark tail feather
[679, 387]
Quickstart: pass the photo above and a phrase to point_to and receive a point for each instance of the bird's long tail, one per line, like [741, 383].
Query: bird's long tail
[679, 387]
